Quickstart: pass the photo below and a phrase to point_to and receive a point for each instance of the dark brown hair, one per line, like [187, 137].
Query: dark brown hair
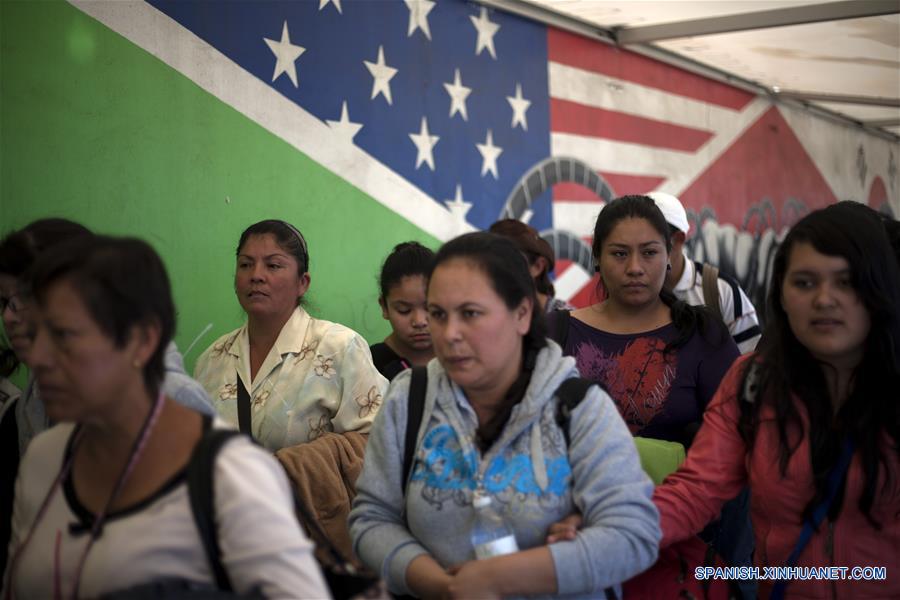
[122, 282]
[20, 249]
[789, 370]
[288, 237]
[533, 246]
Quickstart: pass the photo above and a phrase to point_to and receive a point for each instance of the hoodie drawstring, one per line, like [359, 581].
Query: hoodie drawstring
[537, 457]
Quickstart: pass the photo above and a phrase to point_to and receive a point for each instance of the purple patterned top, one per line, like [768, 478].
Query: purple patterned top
[659, 396]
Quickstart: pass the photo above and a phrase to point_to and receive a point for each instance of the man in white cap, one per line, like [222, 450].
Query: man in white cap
[701, 284]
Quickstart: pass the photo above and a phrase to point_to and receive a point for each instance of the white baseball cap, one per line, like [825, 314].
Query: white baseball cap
[672, 210]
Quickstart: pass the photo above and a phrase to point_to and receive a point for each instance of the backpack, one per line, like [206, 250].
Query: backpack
[569, 394]
[560, 332]
[709, 276]
[709, 282]
[341, 577]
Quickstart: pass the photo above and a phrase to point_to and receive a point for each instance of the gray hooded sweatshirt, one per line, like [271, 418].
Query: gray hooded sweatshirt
[532, 478]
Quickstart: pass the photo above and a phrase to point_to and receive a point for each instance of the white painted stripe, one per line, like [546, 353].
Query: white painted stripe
[176, 46]
[571, 281]
[697, 164]
[619, 157]
[679, 168]
[576, 217]
[602, 91]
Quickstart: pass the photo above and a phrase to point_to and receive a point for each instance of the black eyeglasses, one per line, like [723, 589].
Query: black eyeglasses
[15, 303]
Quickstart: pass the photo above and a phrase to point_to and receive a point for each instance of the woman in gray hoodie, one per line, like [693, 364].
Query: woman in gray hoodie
[490, 429]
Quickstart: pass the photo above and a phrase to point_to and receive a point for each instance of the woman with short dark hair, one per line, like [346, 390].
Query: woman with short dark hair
[102, 504]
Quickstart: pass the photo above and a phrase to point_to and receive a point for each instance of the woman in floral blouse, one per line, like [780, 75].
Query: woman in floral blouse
[304, 376]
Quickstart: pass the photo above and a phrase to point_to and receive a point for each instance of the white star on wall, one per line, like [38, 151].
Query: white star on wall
[458, 94]
[285, 54]
[418, 16]
[486, 30]
[337, 4]
[489, 154]
[519, 106]
[381, 74]
[424, 145]
[345, 128]
[458, 207]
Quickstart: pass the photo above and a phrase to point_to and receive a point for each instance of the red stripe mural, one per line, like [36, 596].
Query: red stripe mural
[576, 51]
[571, 117]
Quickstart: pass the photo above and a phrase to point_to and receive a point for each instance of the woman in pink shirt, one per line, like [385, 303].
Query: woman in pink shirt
[822, 386]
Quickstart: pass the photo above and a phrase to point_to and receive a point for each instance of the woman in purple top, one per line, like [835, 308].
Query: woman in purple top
[660, 359]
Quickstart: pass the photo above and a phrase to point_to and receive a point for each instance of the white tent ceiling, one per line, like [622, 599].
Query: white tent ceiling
[849, 66]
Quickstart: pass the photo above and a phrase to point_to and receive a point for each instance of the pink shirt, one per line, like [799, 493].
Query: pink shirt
[718, 466]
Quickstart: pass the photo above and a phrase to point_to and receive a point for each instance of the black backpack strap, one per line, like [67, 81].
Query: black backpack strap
[560, 331]
[569, 394]
[201, 493]
[243, 406]
[418, 383]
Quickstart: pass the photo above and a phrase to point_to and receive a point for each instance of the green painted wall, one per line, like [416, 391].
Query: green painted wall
[94, 129]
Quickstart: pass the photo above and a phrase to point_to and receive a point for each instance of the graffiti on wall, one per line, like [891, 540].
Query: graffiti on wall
[746, 254]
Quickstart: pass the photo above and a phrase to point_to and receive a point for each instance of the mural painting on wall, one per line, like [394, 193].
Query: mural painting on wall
[455, 115]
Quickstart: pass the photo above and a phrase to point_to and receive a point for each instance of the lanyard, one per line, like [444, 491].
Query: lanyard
[835, 477]
[136, 451]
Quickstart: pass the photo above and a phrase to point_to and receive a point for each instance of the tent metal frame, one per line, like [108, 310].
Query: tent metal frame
[638, 39]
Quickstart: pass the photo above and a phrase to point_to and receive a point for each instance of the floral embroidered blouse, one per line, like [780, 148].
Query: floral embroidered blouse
[318, 377]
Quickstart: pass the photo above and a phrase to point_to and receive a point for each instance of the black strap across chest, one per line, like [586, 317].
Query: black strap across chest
[200, 492]
[243, 406]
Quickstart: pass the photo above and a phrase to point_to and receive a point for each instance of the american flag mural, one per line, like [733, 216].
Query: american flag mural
[454, 115]
[442, 94]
